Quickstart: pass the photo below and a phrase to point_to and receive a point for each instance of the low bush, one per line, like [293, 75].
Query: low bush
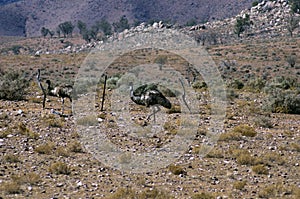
[282, 101]
[13, 85]
[60, 168]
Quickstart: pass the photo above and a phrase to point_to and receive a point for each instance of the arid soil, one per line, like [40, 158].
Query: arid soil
[256, 156]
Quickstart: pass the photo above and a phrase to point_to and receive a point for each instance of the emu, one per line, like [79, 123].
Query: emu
[63, 91]
[148, 95]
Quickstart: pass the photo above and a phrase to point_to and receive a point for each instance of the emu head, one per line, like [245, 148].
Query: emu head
[48, 82]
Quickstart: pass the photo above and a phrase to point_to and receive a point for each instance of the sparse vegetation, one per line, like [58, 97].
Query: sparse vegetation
[203, 195]
[59, 168]
[239, 185]
[176, 169]
[75, 147]
[256, 155]
[245, 130]
[45, 148]
[242, 23]
[260, 169]
[11, 158]
[11, 188]
[66, 28]
[13, 85]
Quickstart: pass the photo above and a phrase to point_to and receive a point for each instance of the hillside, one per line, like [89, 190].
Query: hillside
[25, 18]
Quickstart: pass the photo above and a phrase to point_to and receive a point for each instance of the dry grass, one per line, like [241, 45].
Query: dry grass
[239, 185]
[11, 158]
[47, 148]
[176, 169]
[75, 147]
[87, 121]
[245, 130]
[11, 188]
[203, 195]
[30, 178]
[53, 121]
[260, 169]
[129, 193]
[59, 168]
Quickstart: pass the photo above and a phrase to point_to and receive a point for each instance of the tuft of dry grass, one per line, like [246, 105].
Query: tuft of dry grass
[239, 185]
[260, 169]
[24, 130]
[230, 136]
[11, 188]
[45, 148]
[203, 195]
[215, 153]
[87, 121]
[59, 168]
[75, 147]
[170, 127]
[273, 158]
[126, 193]
[245, 130]
[243, 157]
[11, 158]
[53, 121]
[176, 170]
[62, 151]
[129, 193]
[30, 178]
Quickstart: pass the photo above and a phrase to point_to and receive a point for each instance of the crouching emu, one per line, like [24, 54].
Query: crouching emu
[148, 95]
[63, 91]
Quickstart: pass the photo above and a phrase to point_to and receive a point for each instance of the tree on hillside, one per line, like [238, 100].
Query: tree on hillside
[105, 26]
[66, 28]
[121, 25]
[51, 33]
[242, 23]
[295, 6]
[44, 31]
[293, 23]
[81, 26]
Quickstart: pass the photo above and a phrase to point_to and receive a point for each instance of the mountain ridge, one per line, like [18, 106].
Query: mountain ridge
[24, 18]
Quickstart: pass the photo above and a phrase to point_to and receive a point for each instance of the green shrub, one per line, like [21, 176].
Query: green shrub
[13, 85]
[236, 84]
[254, 3]
[282, 101]
[263, 121]
[256, 84]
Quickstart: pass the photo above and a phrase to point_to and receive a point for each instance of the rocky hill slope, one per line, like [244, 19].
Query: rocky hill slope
[25, 18]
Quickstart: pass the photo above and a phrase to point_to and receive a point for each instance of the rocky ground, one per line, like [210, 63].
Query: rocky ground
[257, 155]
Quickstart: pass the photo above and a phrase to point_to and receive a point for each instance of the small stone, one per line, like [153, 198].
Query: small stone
[79, 184]
[59, 184]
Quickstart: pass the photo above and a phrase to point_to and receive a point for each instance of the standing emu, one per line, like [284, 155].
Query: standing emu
[148, 95]
[63, 91]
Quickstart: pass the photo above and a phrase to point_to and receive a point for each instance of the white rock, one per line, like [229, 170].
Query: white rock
[79, 184]
[155, 25]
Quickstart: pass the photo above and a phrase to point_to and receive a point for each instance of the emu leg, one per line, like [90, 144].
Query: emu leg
[63, 104]
[154, 112]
